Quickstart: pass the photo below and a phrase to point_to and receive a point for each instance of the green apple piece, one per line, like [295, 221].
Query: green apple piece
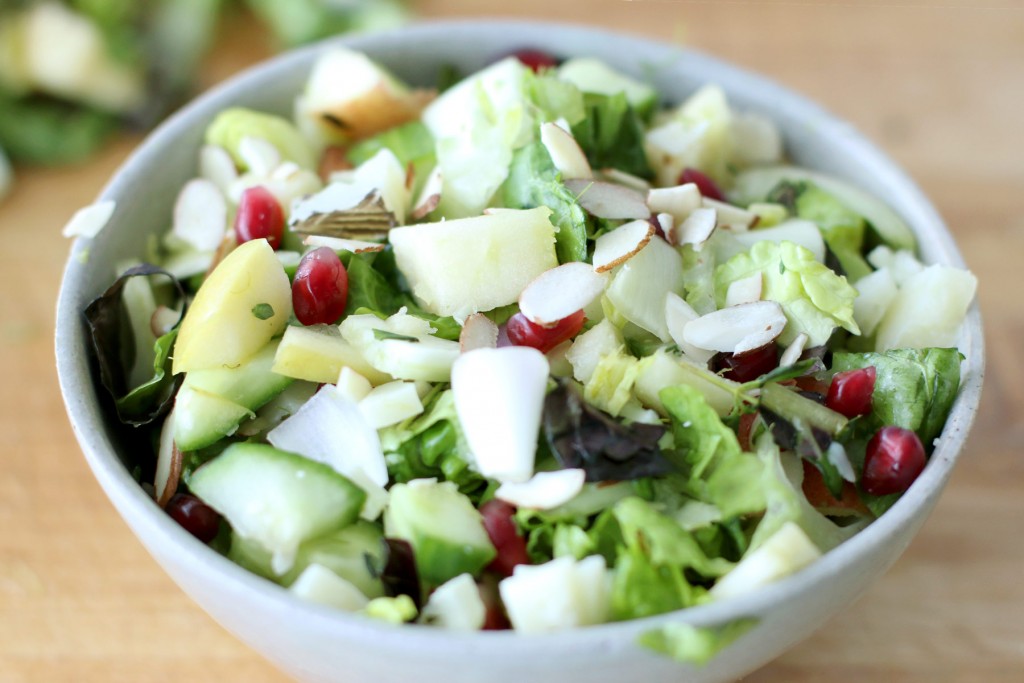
[444, 529]
[463, 266]
[349, 97]
[594, 76]
[244, 303]
[278, 500]
[317, 354]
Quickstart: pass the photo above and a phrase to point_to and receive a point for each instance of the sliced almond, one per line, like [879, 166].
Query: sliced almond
[614, 175]
[200, 215]
[737, 329]
[678, 314]
[478, 332]
[217, 166]
[333, 160]
[680, 201]
[730, 216]
[430, 196]
[667, 224]
[745, 290]
[544, 490]
[168, 464]
[226, 246]
[792, 353]
[607, 200]
[696, 229]
[89, 220]
[258, 155]
[342, 244]
[565, 152]
[560, 292]
[621, 244]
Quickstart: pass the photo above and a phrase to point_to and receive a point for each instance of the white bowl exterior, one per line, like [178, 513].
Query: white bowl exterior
[315, 644]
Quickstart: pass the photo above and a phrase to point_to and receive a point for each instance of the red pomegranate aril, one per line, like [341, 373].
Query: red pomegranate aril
[259, 217]
[748, 366]
[708, 188]
[320, 288]
[851, 390]
[894, 459]
[194, 516]
[501, 529]
[522, 332]
[536, 60]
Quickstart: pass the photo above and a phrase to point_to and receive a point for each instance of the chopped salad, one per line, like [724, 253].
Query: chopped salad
[536, 351]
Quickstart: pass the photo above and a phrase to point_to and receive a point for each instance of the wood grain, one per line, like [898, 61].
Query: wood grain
[939, 85]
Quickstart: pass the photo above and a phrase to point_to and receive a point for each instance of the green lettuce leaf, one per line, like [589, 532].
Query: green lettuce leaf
[612, 135]
[555, 98]
[814, 299]
[641, 588]
[533, 181]
[708, 453]
[914, 388]
[694, 644]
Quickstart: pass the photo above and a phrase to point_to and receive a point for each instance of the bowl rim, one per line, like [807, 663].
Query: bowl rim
[78, 390]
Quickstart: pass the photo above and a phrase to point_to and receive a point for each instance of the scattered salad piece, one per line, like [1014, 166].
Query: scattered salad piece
[466, 381]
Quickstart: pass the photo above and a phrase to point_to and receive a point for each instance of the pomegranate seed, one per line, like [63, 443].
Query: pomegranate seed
[748, 366]
[259, 217]
[320, 288]
[535, 60]
[850, 392]
[194, 516]
[894, 459]
[522, 332]
[501, 529]
[706, 185]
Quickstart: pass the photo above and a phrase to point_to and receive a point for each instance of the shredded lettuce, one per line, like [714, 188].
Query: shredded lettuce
[814, 299]
[610, 387]
[612, 135]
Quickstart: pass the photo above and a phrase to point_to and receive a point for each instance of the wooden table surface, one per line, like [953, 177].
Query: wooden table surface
[939, 84]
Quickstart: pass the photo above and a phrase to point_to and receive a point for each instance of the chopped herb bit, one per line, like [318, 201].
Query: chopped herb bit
[384, 334]
[263, 311]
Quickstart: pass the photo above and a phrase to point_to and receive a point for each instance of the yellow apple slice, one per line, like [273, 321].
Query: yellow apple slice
[241, 306]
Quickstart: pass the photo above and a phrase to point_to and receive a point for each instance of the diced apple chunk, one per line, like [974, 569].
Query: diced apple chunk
[227, 321]
[476, 264]
[318, 354]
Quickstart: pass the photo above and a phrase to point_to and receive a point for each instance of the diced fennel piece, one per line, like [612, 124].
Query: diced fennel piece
[456, 605]
[560, 594]
[444, 529]
[382, 173]
[664, 370]
[787, 551]
[390, 403]
[928, 310]
[639, 287]
[459, 267]
[401, 346]
[320, 585]
[277, 499]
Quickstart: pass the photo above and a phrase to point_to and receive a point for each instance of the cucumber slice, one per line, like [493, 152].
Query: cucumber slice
[445, 530]
[202, 419]
[278, 500]
[594, 76]
[353, 553]
[252, 384]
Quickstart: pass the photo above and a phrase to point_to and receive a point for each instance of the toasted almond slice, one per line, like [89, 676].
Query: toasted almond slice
[168, 464]
[544, 490]
[744, 290]
[607, 200]
[614, 175]
[678, 314]
[430, 196]
[217, 166]
[478, 332]
[696, 229]
[200, 215]
[792, 353]
[89, 220]
[731, 216]
[679, 201]
[737, 329]
[226, 246]
[258, 155]
[565, 152]
[342, 244]
[333, 160]
[668, 226]
[621, 244]
[560, 292]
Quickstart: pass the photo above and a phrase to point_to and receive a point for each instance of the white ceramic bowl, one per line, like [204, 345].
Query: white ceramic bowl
[315, 644]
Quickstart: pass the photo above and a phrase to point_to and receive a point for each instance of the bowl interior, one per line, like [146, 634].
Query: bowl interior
[145, 189]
